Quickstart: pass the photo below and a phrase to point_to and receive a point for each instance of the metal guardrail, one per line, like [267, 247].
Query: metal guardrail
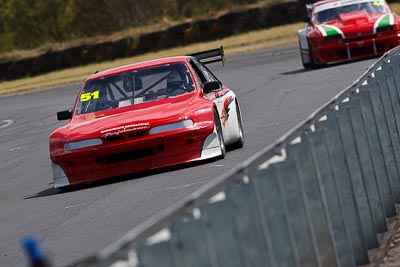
[316, 197]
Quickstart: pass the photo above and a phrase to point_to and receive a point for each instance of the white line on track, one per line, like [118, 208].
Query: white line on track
[6, 123]
[78, 205]
[280, 122]
[177, 187]
[16, 148]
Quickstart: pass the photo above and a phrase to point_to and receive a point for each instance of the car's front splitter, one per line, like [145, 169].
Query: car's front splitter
[59, 177]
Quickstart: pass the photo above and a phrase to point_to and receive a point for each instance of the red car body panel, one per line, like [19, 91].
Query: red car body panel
[358, 33]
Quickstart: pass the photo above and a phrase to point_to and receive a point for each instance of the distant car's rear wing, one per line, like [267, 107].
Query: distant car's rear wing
[211, 56]
[309, 8]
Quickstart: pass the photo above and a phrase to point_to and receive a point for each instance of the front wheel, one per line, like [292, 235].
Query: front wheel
[311, 64]
[307, 60]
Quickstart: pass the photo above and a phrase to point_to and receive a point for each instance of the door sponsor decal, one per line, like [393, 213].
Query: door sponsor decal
[125, 129]
[225, 111]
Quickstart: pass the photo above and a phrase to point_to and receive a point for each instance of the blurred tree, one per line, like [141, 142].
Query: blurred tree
[34, 22]
[26, 24]
[171, 9]
[29, 23]
[131, 13]
[92, 18]
[101, 17]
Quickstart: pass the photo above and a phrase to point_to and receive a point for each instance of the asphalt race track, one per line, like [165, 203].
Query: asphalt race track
[275, 94]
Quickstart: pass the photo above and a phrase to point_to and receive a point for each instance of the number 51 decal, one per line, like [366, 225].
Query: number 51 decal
[87, 96]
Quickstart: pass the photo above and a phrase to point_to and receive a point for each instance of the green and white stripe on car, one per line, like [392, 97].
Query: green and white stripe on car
[329, 30]
[384, 21]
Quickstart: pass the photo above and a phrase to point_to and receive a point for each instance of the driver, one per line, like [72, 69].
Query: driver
[175, 84]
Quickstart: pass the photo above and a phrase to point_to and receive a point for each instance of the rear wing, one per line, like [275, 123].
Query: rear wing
[309, 8]
[210, 56]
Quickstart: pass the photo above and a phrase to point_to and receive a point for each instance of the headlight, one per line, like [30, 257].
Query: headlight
[82, 144]
[171, 127]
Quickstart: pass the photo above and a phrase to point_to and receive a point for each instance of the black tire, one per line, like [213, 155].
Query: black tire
[239, 143]
[310, 65]
[70, 188]
[65, 189]
[218, 127]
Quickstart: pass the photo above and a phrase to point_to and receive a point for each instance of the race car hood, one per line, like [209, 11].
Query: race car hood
[356, 24]
[130, 119]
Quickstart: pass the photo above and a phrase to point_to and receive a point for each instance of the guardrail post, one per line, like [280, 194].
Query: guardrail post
[219, 220]
[395, 68]
[359, 187]
[379, 152]
[382, 87]
[235, 227]
[345, 189]
[322, 160]
[276, 216]
[353, 109]
[190, 243]
[390, 82]
[255, 241]
[385, 137]
[297, 213]
[314, 200]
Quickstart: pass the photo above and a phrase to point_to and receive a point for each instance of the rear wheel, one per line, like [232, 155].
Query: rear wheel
[240, 142]
[218, 127]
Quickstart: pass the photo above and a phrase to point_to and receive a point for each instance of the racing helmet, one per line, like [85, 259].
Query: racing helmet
[174, 80]
[130, 86]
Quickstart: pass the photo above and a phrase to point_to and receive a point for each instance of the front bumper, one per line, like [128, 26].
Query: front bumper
[345, 50]
[123, 157]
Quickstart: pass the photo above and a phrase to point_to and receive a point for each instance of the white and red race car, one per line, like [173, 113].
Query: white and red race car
[342, 30]
[144, 116]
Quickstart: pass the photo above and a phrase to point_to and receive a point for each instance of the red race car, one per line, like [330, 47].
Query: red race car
[347, 29]
[144, 116]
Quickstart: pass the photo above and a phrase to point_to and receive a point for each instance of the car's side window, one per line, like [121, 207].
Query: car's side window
[199, 75]
[210, 76]
[203, 72]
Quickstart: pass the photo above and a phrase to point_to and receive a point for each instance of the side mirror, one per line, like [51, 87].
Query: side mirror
[209, 87]
[64, 115]
[307, 19]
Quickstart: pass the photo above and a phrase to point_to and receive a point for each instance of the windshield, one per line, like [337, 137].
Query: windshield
[331, 11]
[135, 87]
